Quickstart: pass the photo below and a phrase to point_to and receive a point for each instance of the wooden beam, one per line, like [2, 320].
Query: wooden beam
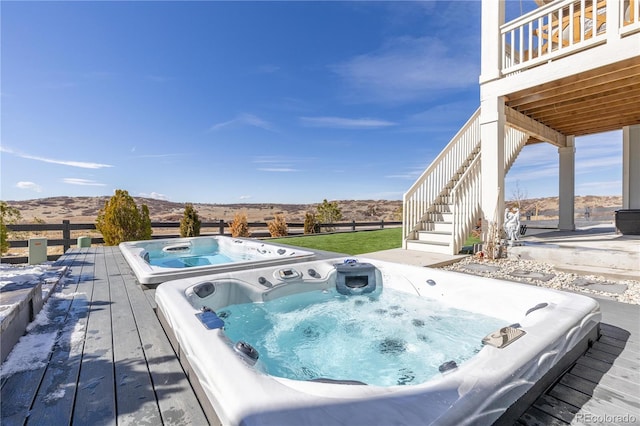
[534, 128]
[607, 74]
[575, 93]
[603, 115]
[615, 102]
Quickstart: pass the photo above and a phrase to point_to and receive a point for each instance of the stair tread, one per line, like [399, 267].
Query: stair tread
[433, 243]
[434, 232]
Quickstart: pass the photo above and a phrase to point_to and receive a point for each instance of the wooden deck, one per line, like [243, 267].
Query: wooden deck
[123, 370]
[603, 386]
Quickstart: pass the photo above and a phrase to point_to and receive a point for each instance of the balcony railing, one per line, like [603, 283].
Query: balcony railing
[564, 27]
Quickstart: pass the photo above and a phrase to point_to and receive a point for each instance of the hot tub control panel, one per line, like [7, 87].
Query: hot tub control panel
[288, 274]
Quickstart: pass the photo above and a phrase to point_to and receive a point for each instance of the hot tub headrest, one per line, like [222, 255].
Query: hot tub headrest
[355, 278]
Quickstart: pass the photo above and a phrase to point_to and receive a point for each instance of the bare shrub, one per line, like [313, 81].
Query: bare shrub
[278, 226]
[240, 226]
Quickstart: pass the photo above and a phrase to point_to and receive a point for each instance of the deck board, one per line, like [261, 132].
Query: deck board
[556, 408]
[177, 402]
[603, 384]
[135, 398]
[64, 367]
[95, 402]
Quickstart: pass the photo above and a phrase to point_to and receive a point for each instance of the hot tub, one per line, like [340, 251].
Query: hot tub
[156, 261]
[628, 221]
[513, 339]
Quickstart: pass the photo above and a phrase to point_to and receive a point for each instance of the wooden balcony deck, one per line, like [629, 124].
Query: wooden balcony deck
[123, 370]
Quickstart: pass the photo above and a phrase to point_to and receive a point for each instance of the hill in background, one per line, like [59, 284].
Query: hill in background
[85, 209]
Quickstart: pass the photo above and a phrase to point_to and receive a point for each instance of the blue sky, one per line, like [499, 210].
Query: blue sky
[226, 102]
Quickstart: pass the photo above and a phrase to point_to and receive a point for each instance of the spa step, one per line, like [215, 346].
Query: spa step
[431, 247]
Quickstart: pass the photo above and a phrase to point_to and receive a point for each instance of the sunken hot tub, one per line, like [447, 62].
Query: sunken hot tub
[156, 261]
[356, 341]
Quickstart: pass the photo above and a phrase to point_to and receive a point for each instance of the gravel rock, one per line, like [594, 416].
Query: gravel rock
[544, 275]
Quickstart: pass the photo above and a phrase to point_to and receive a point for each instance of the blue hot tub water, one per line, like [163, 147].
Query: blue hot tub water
[385, 338]
[174, 261]
[199, 256]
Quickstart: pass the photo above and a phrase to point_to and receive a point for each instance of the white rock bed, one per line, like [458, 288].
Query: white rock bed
[561, 280]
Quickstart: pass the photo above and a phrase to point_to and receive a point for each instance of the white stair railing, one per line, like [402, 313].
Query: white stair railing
[466, 194]
[424, 193]
[465, 198]
[514, 141]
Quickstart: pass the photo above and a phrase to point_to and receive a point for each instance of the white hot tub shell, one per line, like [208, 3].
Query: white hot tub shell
[243, 252]
[479, 391]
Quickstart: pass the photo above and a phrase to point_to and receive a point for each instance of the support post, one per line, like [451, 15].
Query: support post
[492, 134]
[66, 235]
[566, 186]
[631, 167]
[492, 17]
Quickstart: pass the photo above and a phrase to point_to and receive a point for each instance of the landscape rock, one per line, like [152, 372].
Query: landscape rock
[534, 275]
[479, 267]
[604, 286]
[544, 275]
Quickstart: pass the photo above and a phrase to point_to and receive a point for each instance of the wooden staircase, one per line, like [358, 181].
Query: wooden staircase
[436, 229]
[442, 207]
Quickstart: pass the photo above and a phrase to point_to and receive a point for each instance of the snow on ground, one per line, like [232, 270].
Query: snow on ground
[21, 276]
[30, 353]
[34, 349]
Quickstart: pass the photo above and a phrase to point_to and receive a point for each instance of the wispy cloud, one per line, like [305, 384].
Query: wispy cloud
[408, 68]
[278, 169]
[411, 174]
[72, 163]
[31, 186]
[159, 155]
[532, 173]
[244, 197]
[279, 159]
[280, 163]
[346, 123]
[244, 120]
[602, 187]
[82, 182]
[442, 117]
[154, 195]
[597, 153]
[590, 164]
